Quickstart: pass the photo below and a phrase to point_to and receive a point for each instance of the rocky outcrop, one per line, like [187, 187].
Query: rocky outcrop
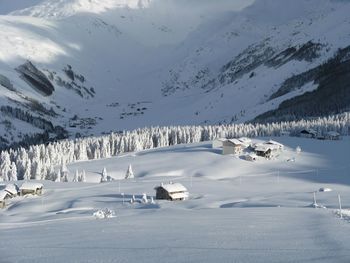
[35, 78]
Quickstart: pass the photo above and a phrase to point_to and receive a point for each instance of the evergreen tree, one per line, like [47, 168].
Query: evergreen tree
[58, 176]
[13, 172]
[104, 175]
[129, 173]
[76, 176]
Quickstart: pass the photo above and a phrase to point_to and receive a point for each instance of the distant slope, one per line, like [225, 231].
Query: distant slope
[89, 67]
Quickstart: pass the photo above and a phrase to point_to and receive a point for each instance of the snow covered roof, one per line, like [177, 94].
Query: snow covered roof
[252, 155]
[262, 148]
[182, 195]
[11, 188]
[274, 143]
[220, 139]
[245, 140]
[310, 131]
[3, 195]
[174, 187]
[333, 133]
[234, 141]
[31, 186]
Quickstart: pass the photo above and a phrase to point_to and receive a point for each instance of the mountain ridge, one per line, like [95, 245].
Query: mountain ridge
[123, 68]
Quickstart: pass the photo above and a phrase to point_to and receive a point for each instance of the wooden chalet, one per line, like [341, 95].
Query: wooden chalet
[171, 192]
[263, 151]
[308, 133]
[232, 146]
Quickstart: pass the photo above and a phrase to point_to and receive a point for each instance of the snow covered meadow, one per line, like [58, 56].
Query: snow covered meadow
[238, 211]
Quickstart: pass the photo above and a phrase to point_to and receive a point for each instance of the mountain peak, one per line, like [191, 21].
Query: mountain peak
[65, 8]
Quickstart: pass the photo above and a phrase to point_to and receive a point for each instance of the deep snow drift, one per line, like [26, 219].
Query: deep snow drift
[238, 210]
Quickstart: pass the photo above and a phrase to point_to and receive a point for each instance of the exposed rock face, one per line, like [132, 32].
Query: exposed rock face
[331, 96]
[36, 78]
[5, 82]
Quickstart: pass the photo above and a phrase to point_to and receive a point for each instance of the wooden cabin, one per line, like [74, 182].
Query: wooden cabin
[308, 133]
[171, 192]
[3, 197]
[263, 151]
[232, 146]
[31, 188]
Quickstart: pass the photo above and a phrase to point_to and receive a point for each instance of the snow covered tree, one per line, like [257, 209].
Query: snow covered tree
[129, 173]
[64, 173]
[58, 176]
[13, 172]
[144, 199]
[76, 176]
[83, 177]
[27, 171]
[298, 149]
[5, 165]
[104, 175]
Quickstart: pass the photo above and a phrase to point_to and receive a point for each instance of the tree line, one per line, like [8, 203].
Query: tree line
[44, 161]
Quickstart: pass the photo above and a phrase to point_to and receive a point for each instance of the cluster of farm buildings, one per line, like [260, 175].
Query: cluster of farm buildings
[12, 191]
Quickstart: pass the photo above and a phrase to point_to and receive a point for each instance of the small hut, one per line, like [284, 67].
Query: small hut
[31, 188]
[251, 157]
[171, 191]
[232, 146]
[3, 196]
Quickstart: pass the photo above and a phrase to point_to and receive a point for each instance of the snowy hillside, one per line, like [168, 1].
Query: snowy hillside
[237, 211]
[82, 67]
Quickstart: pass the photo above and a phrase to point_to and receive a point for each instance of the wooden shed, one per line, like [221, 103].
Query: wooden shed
[171, 191]
[31, 188]
[232, 146]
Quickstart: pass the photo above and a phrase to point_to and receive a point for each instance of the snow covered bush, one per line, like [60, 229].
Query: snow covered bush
[105, 213]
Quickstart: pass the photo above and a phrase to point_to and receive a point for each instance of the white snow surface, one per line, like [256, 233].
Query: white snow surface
[238, 211]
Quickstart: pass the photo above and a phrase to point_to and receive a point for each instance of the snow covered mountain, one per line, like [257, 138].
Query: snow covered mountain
[71, 68]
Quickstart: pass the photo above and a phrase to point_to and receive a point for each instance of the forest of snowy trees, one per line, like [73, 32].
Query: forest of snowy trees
[45, 162]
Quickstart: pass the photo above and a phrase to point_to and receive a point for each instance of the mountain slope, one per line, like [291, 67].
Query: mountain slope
[87, 67]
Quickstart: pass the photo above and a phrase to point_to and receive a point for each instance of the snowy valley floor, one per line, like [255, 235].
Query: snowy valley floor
[238, 211]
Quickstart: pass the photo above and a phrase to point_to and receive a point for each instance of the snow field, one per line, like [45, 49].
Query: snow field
[238, 210]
